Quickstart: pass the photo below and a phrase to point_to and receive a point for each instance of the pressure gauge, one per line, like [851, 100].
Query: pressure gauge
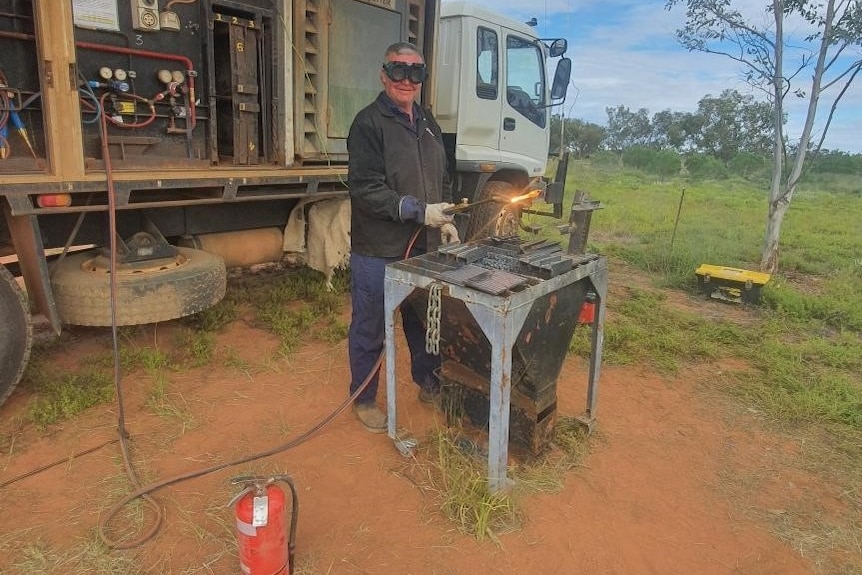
[105, 73]
[120, 74]
[164, 76]
[178, 77]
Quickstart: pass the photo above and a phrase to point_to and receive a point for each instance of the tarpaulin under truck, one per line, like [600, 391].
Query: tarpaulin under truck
[205, 122]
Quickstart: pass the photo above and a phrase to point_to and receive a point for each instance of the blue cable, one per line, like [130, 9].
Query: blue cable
[98, 111]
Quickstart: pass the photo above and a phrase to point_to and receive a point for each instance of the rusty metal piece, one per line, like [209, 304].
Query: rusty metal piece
[579, 221]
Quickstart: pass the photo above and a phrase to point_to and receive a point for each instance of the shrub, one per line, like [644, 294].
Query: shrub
[705, 167]
[664, 164]
[748, 165]
[605, 159]
[638, 157]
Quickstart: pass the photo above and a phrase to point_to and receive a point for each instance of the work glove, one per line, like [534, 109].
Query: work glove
[434, 216]
[449, 234]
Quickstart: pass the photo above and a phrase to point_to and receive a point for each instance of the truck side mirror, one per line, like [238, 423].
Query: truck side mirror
[558, 47]
[561, 79]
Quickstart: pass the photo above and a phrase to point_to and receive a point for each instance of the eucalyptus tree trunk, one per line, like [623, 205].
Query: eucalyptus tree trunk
[781, 191]
[777, 208]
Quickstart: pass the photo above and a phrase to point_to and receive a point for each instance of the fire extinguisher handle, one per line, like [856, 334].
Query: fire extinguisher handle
[240, 495]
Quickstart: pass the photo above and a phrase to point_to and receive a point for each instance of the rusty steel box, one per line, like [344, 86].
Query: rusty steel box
[508, 309]
[537, 358]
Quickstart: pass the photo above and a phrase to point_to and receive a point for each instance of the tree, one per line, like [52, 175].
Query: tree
[834, 29]
[663, 163]
[836, 162]
[732, 123]
[674, 130]
[586, 138]
[582, 138]
[626, 128]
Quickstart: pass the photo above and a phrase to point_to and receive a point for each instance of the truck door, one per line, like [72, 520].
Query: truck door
[524, 121]
[479, 114]
[237, 89]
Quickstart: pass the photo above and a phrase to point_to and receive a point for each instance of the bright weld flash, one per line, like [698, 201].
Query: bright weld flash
[528, 196]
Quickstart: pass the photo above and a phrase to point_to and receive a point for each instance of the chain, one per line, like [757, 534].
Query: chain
[432, 332]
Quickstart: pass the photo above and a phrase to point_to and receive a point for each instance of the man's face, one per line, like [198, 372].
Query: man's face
[403, 92]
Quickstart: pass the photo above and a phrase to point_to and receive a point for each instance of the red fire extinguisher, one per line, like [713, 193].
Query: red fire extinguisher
[588, 309]
[264, 546]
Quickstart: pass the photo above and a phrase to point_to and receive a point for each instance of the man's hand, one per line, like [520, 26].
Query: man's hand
[434, 216]
[449, 234]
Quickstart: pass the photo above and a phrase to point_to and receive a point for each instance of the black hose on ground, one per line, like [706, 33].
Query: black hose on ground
[145, 491]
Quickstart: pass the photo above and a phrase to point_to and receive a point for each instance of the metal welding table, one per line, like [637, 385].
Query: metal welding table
[501, 318]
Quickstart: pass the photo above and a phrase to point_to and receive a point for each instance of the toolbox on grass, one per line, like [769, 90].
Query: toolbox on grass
[731, 284]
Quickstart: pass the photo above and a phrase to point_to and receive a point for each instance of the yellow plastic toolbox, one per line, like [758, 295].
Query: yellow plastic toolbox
[730, 284]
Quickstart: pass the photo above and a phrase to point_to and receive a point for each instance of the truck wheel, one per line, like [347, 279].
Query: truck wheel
[493, 219]
[188, 283]
[16, 333]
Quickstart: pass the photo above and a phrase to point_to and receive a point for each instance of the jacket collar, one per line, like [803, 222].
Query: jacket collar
[389, 108]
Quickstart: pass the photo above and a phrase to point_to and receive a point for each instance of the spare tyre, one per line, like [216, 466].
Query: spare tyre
[147, 292]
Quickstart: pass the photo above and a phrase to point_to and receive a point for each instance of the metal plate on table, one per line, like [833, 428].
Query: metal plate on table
[491, 281]
[462, 275]
[496, 282]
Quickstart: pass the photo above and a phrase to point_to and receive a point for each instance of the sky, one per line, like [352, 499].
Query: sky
[624, 53]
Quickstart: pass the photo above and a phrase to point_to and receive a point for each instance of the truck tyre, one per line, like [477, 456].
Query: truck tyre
[492, 218]
[16, 333]
[189, 283]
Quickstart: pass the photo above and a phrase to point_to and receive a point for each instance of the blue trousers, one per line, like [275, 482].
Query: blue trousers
[365, 337]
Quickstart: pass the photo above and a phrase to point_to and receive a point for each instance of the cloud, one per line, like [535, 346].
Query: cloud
[624, 53]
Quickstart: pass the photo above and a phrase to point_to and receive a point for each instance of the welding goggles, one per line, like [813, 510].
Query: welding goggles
[397, 71]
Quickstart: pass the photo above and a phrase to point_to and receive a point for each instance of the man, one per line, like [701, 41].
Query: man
[398, 184]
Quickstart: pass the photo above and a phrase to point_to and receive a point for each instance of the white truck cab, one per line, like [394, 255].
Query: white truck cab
[493, 98]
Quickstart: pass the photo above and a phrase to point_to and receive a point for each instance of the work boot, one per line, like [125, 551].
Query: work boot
[370, 416]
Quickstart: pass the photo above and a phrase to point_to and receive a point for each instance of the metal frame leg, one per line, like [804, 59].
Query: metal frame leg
[394, 293]
[600, 283]
[501, 331]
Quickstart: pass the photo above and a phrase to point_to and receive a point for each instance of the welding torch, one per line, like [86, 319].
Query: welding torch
[19, 127]
[11, 114]
[465, 205]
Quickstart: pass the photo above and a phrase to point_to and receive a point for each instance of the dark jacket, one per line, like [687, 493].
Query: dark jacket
[390, 159]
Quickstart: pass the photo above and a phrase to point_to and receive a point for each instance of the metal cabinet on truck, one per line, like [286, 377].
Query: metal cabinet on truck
[181, 117]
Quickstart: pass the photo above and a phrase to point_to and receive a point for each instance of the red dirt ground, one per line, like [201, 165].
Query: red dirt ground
[651, 497]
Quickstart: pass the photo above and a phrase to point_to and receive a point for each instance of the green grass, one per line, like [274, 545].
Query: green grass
[806, 342]
[721, 222]
[295, 306]
[645, 330]
[459, 483]
[453, 470]
[809, 379]
[801, 349]
[215, 318]
[198, 346]
[60, 395]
